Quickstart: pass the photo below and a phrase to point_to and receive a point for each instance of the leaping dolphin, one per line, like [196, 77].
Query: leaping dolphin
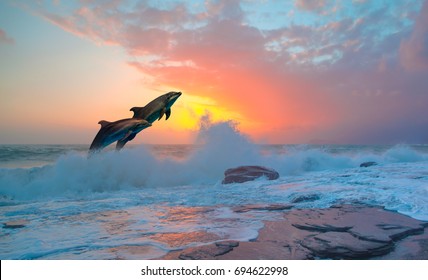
[151, 112]
[157, 107]
[116, 131]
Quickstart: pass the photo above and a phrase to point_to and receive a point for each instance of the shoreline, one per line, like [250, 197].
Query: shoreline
[346, 231]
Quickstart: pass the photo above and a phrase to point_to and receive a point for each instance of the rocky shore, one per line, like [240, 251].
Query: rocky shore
[338, 232]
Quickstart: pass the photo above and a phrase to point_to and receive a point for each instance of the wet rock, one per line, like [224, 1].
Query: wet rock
[208, 251]
[343, 245]
[227, 243]
[262, 207]
[414, 247]
[248, 173]
[264, 251]
[368, 164]
[322, 228]
[176, 240]
[338, 232]
[348, 231]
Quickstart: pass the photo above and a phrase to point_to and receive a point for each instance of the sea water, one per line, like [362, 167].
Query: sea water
[147, 200]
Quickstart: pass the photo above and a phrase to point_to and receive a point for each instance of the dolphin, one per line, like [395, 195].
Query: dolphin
[116, 131]
[151, 112]
[157, 107]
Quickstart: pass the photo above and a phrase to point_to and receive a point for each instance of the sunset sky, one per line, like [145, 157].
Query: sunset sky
[296, 71]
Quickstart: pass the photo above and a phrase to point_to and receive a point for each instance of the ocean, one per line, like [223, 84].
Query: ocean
[146, 200]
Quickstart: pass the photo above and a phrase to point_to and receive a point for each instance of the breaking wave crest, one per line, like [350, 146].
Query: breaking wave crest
[220, 146]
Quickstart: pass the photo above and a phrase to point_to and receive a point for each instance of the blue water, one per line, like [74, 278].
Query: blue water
[133, 204]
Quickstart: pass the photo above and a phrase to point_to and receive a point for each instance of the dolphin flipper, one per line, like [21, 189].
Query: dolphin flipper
[161, 113]
[122, 142]
[168, 113]
[132, 136]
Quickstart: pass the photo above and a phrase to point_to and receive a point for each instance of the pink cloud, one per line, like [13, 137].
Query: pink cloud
[141, 41]
[337, 80]
[4, 38]
[310, 5]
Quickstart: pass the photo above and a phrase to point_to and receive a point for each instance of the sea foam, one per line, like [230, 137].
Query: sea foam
[220, 146]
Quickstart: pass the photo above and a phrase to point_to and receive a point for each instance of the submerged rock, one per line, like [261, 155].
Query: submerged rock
[305, 198]
[248, 173]
[15, 224]
[368, 164]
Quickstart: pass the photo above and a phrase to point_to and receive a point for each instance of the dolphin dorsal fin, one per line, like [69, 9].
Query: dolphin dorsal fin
[103, 123]
[137, 111]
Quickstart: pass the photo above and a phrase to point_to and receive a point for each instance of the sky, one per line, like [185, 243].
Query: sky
[285, 72]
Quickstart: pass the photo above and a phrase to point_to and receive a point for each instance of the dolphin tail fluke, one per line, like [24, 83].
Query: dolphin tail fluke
[97, 143]
[92, 152]
[168, 113]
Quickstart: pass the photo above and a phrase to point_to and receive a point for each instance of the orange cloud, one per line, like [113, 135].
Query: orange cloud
[329, 78]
